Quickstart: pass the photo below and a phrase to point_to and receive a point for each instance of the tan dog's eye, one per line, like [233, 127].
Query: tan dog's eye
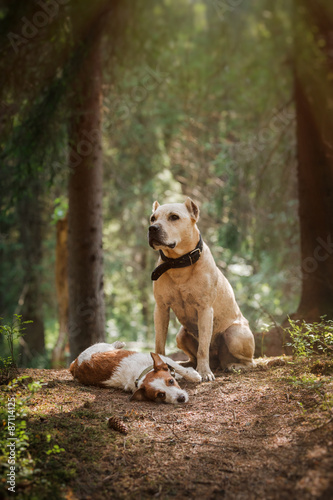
[161, 395]
[171, 381]
[174, 217]
[152, 218]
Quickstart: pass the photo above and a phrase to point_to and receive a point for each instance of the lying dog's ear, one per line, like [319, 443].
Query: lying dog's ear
[155, 205]
[139, 395]
[158, 363]
[192, 208]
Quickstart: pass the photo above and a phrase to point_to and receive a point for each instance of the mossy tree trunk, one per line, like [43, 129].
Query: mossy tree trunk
[85, 253]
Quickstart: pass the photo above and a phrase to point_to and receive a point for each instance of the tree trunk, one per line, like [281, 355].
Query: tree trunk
[30, 303]
[86, 297]
[61, 278]
[313, 94]
[314, 125]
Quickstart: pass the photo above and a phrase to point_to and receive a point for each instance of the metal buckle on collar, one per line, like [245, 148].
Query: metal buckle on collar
[172, 371]
[193, 251]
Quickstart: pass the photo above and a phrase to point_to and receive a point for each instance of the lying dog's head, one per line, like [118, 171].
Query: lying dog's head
[173, 226]
[159, 385]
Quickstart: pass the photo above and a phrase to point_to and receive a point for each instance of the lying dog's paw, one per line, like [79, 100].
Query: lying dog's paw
[192, 375]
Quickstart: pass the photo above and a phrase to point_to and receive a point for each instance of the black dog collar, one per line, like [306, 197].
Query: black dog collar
[184, 261]
[150, 369]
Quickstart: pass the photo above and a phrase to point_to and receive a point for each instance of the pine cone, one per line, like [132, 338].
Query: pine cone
[116, 424]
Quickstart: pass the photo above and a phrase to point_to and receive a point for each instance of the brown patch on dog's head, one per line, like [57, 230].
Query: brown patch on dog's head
[160, 386]
[159, 364]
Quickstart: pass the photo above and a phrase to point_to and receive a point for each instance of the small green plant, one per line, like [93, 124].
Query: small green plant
[11, 332]
[55, 449]
[14, 442]
[327, 404]
[310, 338]
[19, 463]
[306, 381]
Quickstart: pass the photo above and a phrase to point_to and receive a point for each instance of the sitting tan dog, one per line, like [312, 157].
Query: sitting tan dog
[214, 332]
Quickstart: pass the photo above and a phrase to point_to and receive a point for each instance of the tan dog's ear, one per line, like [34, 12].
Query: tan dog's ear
[139, 395]
[158, 363]
[155, 205]
[193, 209]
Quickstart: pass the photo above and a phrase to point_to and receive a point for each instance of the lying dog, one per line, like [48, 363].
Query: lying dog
[213, 331]
[109, 365]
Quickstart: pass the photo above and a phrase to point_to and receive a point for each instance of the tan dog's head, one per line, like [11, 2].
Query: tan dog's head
[159, 385]
[173, 226]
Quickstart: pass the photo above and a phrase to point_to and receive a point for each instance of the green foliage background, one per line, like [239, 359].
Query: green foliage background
[197, 102]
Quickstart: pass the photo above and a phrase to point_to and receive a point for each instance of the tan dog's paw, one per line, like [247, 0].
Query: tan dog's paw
[207, 375]
[192, 375]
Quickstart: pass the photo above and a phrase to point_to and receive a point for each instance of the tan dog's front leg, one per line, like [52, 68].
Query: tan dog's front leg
[161, 319]
[205, 325]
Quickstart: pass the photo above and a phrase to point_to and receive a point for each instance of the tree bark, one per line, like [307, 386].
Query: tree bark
[313, 95]
[314, 124]
[61, 279]
[86, 297]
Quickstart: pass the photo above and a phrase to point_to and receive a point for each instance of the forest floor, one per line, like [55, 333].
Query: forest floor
[265, 434]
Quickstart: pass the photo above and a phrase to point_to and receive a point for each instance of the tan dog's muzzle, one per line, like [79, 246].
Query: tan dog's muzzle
[157, 236]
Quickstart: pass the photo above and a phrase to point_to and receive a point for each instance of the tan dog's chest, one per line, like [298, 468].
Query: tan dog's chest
[187, 291]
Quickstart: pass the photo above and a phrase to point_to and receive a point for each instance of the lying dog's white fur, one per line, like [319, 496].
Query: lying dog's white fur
[148, 376]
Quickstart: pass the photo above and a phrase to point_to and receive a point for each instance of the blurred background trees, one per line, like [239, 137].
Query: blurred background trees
[198, 99]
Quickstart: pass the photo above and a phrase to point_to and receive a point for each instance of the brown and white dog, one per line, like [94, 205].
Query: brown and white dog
[187, 280]
[109, 365]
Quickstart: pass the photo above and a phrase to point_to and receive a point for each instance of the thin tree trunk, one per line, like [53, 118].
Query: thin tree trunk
[86, 297]
[61, 278]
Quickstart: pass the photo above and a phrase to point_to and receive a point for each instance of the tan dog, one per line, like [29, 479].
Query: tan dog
[214, 332]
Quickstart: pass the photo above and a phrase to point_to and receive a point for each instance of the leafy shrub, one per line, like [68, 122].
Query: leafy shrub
[11, 332]
[311, 338]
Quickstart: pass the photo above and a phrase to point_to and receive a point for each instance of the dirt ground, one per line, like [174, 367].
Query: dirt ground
[264, 434]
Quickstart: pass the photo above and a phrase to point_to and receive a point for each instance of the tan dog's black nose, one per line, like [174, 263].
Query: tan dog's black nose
[155, 235]
[181, 399]
[154, 229]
